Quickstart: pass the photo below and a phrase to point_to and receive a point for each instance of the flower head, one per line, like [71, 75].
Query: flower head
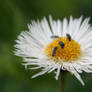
[57, 46]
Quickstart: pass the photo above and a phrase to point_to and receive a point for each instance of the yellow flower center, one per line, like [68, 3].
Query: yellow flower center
[63, 48]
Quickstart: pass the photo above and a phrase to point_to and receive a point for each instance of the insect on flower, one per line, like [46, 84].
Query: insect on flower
[62, 45]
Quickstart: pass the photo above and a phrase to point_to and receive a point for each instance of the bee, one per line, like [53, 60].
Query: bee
[68, 37]
[54, 36]
[54, 51]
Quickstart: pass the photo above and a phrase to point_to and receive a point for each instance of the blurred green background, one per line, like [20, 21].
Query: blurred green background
[14, 16]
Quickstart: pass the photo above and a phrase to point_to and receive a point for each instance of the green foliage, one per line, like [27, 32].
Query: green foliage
[14, 16]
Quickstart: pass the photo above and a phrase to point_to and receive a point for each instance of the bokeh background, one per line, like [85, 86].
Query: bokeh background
[14, 16]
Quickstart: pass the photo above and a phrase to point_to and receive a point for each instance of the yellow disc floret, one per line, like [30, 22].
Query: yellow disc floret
[63, 48]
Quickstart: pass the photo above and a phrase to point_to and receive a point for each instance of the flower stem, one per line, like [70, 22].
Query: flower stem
[62, 80]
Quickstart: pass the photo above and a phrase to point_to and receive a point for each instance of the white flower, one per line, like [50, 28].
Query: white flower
[57, 45]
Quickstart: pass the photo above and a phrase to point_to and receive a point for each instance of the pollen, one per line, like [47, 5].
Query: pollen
[64, 48]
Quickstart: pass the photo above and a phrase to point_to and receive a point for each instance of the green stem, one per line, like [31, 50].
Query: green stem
[63, 80]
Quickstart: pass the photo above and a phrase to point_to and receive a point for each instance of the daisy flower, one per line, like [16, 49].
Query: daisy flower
[57, 45]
